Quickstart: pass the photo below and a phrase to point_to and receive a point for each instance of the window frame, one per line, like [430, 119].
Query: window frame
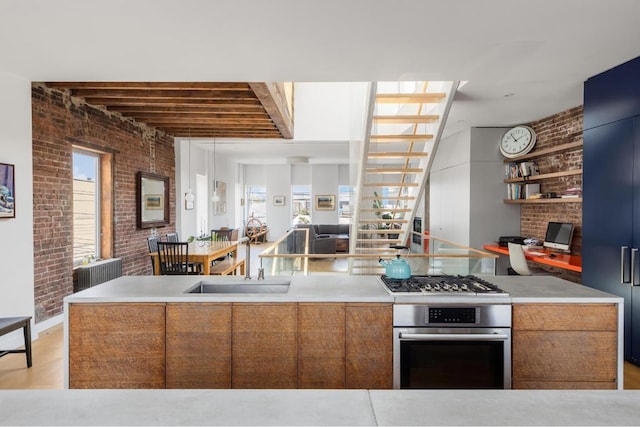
[104, 201]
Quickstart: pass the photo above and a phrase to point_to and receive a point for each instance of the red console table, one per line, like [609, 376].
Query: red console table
[544, 256]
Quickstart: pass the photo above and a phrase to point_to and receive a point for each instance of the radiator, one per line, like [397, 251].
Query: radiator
[98, 272]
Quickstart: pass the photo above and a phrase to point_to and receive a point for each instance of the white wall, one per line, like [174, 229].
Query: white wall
[449, 190]
[16, 234]
[466, 190]
[488, 190]
[278, 184]
[322, 111]
[324, 181]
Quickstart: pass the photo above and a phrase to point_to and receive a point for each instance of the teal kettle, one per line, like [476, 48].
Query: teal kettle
[396, 269]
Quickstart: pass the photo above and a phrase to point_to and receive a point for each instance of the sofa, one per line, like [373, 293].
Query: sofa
[323, 238]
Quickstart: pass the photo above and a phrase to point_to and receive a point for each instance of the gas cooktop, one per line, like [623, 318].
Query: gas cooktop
[442, 285]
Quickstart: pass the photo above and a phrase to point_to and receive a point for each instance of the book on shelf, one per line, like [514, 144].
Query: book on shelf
[522, 191]
[521, 169]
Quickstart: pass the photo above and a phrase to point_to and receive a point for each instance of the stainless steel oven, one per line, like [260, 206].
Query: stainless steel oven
[452, 346]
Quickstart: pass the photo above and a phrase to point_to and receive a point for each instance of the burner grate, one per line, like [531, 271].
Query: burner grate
[442, 284]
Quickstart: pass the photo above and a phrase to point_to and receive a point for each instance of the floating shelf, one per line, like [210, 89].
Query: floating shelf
[544, 176]
[547, 151]
[539, 201]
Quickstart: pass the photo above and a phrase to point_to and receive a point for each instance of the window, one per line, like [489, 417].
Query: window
[92, 205]
[301, 204]
[86, 206]
[345, 193]
[257, 203]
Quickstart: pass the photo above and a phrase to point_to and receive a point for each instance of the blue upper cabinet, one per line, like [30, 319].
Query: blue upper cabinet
[612, 95]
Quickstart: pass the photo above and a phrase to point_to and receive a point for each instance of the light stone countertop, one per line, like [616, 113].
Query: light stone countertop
[333, 288]
[314, 288]
[541, 288]
[319, 407]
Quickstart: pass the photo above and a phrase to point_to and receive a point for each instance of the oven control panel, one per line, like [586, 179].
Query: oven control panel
[451, 315]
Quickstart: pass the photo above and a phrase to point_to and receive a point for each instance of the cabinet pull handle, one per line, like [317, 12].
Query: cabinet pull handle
[623, 251]
[634, 251]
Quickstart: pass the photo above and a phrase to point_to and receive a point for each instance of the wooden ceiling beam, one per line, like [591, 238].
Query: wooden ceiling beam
[245, 110]
[191, 125]
[151, 85]
[161, 94]
[272, 97]
[173, 102]
[202, 109]
[213, 134]
[197, 115]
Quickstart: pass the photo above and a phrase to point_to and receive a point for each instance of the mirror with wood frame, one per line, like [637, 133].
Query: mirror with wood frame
[152, 200]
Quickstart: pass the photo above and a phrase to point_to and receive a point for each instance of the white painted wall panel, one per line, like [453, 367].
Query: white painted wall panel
[322, 111]
[16, 234]
[278, 184]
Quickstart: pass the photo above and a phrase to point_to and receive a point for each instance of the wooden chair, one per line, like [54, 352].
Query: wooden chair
[172, 237]
[221, 235]
[152, 242]
[173, 258]
[8, 324]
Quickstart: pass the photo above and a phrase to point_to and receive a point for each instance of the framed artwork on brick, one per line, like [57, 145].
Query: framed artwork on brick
[7, 191]
[152, 200]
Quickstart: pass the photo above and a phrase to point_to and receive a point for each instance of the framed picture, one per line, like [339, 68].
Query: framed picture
[7, 191]
[326, 203]
[278, 200]
[152, 200]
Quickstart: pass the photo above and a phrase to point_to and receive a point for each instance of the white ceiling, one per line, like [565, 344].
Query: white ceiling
[541, 51]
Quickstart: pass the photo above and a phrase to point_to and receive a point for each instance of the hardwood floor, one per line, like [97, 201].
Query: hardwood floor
[47, 370]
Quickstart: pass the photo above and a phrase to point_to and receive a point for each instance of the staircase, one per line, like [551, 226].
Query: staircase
[403, 129]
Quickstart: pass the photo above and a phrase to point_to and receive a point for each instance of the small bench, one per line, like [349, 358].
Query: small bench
[10, 324]
[228, 267]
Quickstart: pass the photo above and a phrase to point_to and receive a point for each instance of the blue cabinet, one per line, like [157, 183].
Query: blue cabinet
[611, 192]
[612, 95]
[608, 228]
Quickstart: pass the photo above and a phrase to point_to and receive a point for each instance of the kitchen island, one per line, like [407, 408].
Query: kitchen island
[327, 331]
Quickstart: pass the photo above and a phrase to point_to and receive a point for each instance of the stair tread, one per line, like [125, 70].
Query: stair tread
[410, 98]
[406, 118]
[394, 170]
[391, 184]
[397, 154]
[401, 137]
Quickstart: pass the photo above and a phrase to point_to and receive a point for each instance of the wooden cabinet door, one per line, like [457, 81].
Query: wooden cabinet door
[321, 345]
[369, 345]
[558, 346]
[117, 345]
[198, 345]
[264, 352]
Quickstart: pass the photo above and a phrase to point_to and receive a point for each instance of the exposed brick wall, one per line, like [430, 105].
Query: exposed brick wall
[561, 128]
[59, 121]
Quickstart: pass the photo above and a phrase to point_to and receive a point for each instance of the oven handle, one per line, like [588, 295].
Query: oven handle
[453, 337]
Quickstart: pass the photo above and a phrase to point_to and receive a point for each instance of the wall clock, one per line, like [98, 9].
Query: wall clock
[517, 141]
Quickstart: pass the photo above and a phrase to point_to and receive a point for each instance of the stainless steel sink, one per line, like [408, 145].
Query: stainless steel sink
[205, 287]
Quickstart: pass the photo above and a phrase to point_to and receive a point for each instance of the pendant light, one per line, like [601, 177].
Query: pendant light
[215, 197]
[189, 197]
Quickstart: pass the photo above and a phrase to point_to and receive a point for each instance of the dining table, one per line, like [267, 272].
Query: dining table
[203, 251]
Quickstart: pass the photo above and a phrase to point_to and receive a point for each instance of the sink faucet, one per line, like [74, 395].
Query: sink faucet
[247, 275]
[247, 256]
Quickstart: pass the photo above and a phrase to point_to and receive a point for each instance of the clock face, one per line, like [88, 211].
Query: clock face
[517, 141]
